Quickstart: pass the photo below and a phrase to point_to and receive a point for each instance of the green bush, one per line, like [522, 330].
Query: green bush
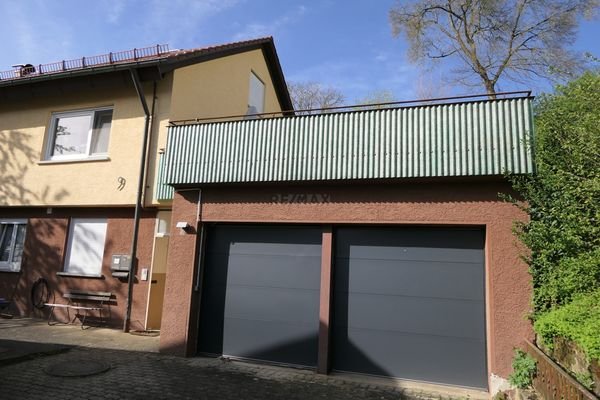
[524, 370]
[578, 321]
[563, 197]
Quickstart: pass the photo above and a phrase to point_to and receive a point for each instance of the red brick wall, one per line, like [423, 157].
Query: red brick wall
[44, 250]
[434, 203]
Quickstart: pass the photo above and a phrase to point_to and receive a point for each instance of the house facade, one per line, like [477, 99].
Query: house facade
[77, 156]
[371, 242]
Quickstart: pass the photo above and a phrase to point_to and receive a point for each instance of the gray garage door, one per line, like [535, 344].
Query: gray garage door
[409, 303]
[260, 295]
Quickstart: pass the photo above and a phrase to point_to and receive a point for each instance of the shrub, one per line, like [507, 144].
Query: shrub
[524, 370]
[578, 321]
[563, 197]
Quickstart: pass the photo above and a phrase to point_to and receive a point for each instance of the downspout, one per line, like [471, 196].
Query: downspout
[140, 192]
[151, 129]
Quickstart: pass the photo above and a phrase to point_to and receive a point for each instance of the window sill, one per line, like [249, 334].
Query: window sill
[10, 271]
[69, 275]
[75, 160]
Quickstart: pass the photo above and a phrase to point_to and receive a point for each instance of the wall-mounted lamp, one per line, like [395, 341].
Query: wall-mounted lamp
[184, 226]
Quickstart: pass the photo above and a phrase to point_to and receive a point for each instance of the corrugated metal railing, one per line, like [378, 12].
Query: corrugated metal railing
[477, 138]
[29, 70]
[163, 190]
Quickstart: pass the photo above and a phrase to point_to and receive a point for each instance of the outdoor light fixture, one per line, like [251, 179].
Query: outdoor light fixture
[184, 226]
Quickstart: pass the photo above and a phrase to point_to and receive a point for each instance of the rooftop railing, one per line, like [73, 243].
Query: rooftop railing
[30, 70]
[358, 107]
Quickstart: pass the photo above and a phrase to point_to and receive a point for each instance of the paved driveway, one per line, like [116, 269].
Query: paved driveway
[137, 371]
[136, 375]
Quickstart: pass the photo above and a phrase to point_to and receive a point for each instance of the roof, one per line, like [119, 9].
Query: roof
[462, 139]
[157, 57]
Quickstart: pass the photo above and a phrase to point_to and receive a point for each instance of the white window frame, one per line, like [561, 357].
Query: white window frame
[10, 265]
[52, 134]
[69, 248]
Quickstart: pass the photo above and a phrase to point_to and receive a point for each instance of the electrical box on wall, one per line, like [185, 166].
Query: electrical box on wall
[120, 265]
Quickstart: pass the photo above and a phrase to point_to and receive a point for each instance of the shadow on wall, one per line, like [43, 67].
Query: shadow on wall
[16, 156]
[39, 255]
[43, 257]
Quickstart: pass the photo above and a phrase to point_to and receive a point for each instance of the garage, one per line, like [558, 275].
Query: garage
[260, 293]
[410, 303]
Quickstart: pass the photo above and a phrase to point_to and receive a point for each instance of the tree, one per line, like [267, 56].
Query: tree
[314, 96]
[493, 40]
[563, 197]
[374, 99]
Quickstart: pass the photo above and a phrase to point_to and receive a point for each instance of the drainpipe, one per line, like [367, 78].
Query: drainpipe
[140, 192]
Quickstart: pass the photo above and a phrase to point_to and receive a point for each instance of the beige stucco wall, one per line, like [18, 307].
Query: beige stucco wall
[213, 88]
[24, 124]
[219, 87]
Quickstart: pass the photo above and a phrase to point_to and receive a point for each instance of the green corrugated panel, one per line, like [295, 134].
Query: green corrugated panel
[163, 190]
[466, 139]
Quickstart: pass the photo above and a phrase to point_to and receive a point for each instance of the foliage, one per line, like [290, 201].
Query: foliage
[524, 370]
[314, 96]
[563, 197]
[578, 321]
[585, 378]
[492, 39]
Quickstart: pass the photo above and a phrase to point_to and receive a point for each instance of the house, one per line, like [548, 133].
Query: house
[371, 242]
[79, 142]
[367, 241]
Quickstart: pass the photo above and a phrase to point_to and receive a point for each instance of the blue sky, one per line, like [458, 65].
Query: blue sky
[343, 43]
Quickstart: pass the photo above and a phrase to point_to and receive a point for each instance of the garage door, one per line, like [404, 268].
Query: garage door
[409, 303]
[260, 297]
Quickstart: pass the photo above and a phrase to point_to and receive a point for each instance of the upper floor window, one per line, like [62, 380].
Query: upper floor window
[12, 240]
[256, 99]
[79, 134]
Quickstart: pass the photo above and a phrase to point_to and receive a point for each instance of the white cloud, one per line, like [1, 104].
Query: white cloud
[35, 33]
[179, 22]
[356, 78]
[256, 29]
[382, 57]
[114, 11]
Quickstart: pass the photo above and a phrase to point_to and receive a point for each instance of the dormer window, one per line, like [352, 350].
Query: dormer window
[256, 99]
[79, 134]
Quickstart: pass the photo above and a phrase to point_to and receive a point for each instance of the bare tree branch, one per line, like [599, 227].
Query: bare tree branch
[512, 40]
[313, 96]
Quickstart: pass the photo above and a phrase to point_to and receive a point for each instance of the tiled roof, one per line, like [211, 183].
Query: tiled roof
[220, 47]
[158, 55]
[121, 58]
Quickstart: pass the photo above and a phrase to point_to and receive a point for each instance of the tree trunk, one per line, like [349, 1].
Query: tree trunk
[490, 89]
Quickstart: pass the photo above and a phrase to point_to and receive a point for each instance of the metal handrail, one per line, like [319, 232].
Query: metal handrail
[29, 70]
[361, 107]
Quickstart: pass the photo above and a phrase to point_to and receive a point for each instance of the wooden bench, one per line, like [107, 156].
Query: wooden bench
[82, 302]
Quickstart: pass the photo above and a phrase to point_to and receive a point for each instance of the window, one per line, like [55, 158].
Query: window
[79, 134]
[85, 248]
[12, 239]
[256, 99]
[163, 222]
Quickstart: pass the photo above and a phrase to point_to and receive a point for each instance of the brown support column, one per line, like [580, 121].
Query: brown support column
[325, 300]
